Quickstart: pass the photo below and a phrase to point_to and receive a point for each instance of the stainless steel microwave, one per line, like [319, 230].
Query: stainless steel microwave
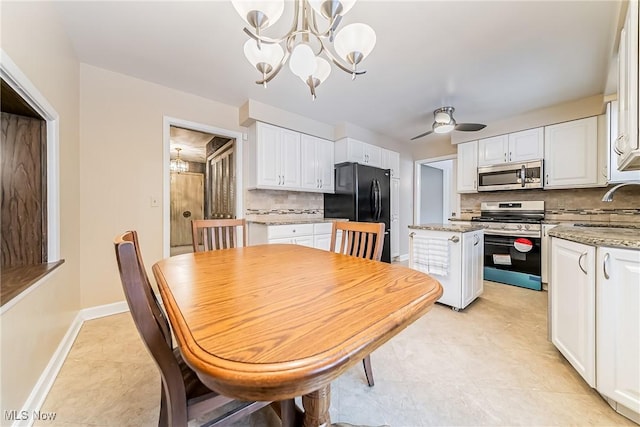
[512, 176]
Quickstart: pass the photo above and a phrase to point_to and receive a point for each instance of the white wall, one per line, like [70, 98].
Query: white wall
[122, 168]
[34, 39]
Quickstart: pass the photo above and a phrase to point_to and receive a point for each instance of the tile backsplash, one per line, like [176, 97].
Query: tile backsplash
[267, 204]
[580, 204]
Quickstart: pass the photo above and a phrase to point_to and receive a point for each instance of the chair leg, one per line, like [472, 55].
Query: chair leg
[163, 421]
[368, 371]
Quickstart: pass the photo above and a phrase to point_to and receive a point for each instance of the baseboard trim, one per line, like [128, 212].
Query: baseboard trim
[40, 391]
[104, 310]
[404, 257]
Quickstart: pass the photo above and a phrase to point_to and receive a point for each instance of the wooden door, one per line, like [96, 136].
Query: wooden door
[221, 183]
[187, 203]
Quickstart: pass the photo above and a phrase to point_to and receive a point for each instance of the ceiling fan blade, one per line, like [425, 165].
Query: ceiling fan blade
[421, 135]
[469, 127]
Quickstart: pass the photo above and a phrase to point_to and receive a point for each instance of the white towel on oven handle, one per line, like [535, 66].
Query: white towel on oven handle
[431, 255]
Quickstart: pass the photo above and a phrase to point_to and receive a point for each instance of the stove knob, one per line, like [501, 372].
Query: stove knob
[526, 227]
[519, 227]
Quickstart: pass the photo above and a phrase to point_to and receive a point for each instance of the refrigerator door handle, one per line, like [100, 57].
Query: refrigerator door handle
[372, 199]
[378, 204]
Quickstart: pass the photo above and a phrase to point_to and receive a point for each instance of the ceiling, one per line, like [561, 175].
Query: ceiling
[489, 59]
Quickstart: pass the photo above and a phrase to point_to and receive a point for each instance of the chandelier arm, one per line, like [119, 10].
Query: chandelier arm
[313, 26]
[333, 59]
[262, 39]
[275, 70]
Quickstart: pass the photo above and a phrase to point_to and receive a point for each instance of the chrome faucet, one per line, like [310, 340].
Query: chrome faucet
[608, 196]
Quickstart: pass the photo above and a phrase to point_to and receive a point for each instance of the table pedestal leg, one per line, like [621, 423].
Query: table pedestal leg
[316, 407]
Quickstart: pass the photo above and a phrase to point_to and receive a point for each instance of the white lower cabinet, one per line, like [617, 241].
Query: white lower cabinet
[595, 318]
[572, 292]
[314, 235]
[618, 327]
[458, 268]
[545, 246]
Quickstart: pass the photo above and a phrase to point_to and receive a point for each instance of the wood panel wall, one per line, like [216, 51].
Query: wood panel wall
[23, 191]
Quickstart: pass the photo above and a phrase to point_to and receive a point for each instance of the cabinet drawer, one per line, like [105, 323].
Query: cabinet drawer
[322, 228]
[290, 230]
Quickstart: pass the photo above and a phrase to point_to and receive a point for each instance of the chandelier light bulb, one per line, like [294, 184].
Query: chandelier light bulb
[355, 42]
[259, 14]
[269, 54]
[302, 61]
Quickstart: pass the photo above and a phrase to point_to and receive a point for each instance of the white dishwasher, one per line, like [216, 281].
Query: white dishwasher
[453, 255]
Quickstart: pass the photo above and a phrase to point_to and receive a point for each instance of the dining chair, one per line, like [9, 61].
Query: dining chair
[217, 233]
[183, 396]
[363, 240]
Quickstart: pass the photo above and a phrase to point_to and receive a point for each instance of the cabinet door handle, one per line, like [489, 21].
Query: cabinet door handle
[509, 155]
[454, 239]
[617, 149]
[547, 177]
[580, 262]
[474, 184]
[476, 240]
[505, 157]
[605, 261]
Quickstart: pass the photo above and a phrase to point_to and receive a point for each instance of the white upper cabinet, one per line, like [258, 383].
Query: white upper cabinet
[352, 150]
[571, 154]
[526, 145]
[493, 151]
[514, 147]
[317, 164]
[615, 175]
[467, 166]
[283, 159]
[627, 144]
[391, 161]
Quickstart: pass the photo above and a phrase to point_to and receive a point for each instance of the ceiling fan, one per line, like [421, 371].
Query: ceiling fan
[444, 123]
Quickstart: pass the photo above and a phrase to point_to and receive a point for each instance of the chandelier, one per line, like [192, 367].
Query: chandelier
[305, 44]
[177, 164]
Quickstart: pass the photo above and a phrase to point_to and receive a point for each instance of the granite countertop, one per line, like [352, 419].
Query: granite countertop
[615, 237]
[456, 228]
[293, 221]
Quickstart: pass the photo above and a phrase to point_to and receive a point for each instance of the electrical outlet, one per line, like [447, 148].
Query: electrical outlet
[154, 202]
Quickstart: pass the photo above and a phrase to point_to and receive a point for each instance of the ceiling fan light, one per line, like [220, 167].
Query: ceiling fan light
[444, 127]
[259, 13]
[355, 38]
[269, 54]
[331, 8]
[442, 117]
[302, 61]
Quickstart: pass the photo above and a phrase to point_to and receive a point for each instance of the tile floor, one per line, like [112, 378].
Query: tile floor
[490, 364]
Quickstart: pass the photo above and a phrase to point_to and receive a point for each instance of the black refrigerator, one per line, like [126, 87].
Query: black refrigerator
[362, 193]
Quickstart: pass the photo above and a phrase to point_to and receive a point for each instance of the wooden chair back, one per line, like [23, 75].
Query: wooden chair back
[359, 239]
[150, 321]
[212, 234]
[183, 396]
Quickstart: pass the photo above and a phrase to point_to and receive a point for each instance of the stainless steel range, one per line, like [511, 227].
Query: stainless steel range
[512, 244]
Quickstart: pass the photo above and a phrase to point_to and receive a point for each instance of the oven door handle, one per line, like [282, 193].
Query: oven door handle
[512, 233]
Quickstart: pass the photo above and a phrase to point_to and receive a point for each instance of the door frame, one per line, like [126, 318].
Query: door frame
[447, 184]
[167, 122]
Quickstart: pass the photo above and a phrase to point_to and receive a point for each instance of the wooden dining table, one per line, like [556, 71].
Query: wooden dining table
[273, 322]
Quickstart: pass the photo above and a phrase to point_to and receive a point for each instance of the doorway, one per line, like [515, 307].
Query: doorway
[202, 179]
[436, 197]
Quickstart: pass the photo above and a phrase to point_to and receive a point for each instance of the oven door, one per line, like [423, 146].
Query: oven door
[513, 260]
